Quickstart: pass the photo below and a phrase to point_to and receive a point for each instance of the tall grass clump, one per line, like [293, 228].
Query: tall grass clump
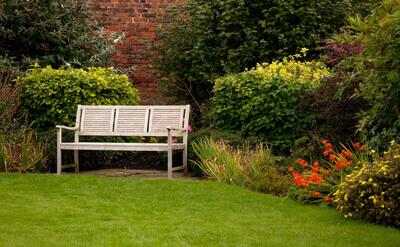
[23, 151]
[255, 168]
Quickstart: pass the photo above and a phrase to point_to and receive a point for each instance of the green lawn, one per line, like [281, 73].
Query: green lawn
[45, 210]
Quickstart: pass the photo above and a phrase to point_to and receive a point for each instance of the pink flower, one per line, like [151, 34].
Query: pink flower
[190, 129]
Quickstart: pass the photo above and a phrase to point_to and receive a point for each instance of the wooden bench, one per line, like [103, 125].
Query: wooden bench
[145, 121]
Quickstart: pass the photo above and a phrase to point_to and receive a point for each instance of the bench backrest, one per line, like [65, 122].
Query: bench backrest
[131, 120]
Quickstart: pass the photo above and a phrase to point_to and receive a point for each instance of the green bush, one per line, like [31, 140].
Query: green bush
[373, 192]
[378, 68]
[51, 96]
[255, 169]
[52, 32]
[264, 102]
[207, 39]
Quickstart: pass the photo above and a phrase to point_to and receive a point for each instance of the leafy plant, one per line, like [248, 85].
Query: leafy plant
[52, 32]
[255, 169]
[377, 66]
[23, 151]
[207, 39]
[51, 96]
[264, 102]
[317, 181]
[372, 192]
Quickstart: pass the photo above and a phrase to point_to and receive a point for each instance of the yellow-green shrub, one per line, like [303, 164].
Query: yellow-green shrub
[50, 96]
[372, 192]
[264, 102]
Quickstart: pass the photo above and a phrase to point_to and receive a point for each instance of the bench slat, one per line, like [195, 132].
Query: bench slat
[97, 120]
[118, 146]
[131, 120]
[162, 118]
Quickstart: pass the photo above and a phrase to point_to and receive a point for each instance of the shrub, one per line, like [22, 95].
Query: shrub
[377, 67]
[50, 96]
[256, 169]
[52, 32]
[207, 39]
[333, 103]
[264, 102]
[372, 192]
[9, 96]
[22, 151]
[316, 182]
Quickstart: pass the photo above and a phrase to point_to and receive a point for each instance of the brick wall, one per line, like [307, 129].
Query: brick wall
[138, 19]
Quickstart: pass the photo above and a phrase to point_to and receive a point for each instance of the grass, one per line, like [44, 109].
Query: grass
[45, 210]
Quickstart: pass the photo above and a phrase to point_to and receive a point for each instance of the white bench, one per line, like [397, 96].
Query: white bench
[155, 121]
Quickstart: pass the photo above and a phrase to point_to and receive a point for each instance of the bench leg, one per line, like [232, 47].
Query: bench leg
[184, 162]
[76, 160]
[170, 163]
[59, 159]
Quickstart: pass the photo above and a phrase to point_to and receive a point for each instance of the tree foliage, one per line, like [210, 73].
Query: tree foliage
[208, 38]
[51, 32]
[378, 67]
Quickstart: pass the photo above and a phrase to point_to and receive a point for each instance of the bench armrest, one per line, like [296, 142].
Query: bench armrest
[176, 129]
[66, 127]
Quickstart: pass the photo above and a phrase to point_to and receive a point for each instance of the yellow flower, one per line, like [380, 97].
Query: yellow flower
[372, 151]
[396, 156]
[370, 180]
[382, 206]
[392, 142]
[304, 50]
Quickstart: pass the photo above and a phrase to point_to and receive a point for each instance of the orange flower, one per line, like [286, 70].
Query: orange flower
[316, 163]
[317, 179]
[332, 157]
[347, 154]
[343, 163]
[315, 169]
[325, 141]
[339, 166]
[291, 169]
[327, 198]
[301, 162]
[300, 180]
[327, 172]
[315, 194]
[357, 145]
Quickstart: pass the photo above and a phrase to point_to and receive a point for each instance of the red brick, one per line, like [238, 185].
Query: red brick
[138, 19]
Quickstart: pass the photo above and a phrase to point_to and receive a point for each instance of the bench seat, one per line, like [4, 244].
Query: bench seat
[120, 146]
